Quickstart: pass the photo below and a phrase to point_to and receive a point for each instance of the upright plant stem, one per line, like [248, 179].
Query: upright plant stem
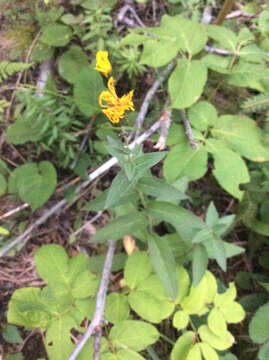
[226, 8]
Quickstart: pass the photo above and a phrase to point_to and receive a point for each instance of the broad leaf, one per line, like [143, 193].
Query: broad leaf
[199, 263]
[230, 169]
[71, 63]
[183, 346]
[258, 327]
[225, 37]
[186, 83]
[56, 35]
[183, 160]
[202, 115]
[138, 268]
[219, 343]
[117, 308]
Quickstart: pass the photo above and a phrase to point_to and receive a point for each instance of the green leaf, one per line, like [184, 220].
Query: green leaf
[183, 345]
[208, 352]
[166, 51]
[258, 327]
[186, 83]
[225, 37]
[133, 334]
[3, 231]
[243, 135]
[138, 268]
[87, 89]
[26, 309]
[82, 166]
[185, 222]
[122, 225]
[263, 353]
[219, 252]
[233, 313]
[252, 53]
[191, 36]
[150, 294]
[216, 322]
[217, 63]
[11, 334]
[3, 185]
[76, 266]
[194, 353]
[263, 21]
[120, 186]
[180, 320]
[164, 264]
[183, 283]
[195, 301]
[153, 186]
[220, 343]
[56, 35]
[117, 308]
[146, 161]
[71, 63]
[227, 297]
[202, 115]
[52, 263]
[230, 169]
[212, 215]
[199, 263]
[183, 160]
[34, 183]
[85, 285]
[58, 342]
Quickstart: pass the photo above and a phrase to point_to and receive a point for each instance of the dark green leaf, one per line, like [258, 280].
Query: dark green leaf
[199, 263]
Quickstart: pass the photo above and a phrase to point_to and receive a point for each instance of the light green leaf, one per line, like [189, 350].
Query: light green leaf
[58, 342]
[252, 53]
[117, 308]
[180, 320]
[56, 35]
[212, 287]
[225, 37]
[194, 353]
[220, 343]
[133, 39]
[87, 89]
[202, 115]
[183, 160]
[216, 322]
[263, 21]
[212, 215]
[150, 294]
[186, 83]
[164, 264]
[34, 183]
[122, 225]
[230, 169]
[26, 309]
[3, 231]
[199, 263]
[208, 352]
[138, 268]
[217, 63]
[263, 353]
[243, 135]
[183, 346]
[233, 313]
[76, 266]
[195, 301]
[258, 327]
[71, 63]
[158, 53]
[183, 283]
[185, 222]
[85, 285]
[226, 298]
[52, 263]
[133, 334]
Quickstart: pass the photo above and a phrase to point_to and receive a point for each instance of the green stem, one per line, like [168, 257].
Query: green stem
[167, 339]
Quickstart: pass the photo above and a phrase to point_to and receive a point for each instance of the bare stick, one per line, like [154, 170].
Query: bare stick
[97, 344]
[14, 211]
[45, 68]
[122, 18]
[188, 130]
[100, 302]
[94, 175]
[87, 223]
[144, 108]
[165, 126]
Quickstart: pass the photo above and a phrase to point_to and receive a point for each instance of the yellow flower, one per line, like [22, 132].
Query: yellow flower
[102, 63]
[115, 107]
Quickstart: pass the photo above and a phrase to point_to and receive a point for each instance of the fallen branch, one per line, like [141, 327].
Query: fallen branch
[188, 130]
[96, 323]
[94, 175]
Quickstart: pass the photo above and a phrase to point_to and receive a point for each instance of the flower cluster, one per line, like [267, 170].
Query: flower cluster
[112, 106]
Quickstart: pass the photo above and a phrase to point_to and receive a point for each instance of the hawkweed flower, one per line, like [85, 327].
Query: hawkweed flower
[102, 63]
[115, 107]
